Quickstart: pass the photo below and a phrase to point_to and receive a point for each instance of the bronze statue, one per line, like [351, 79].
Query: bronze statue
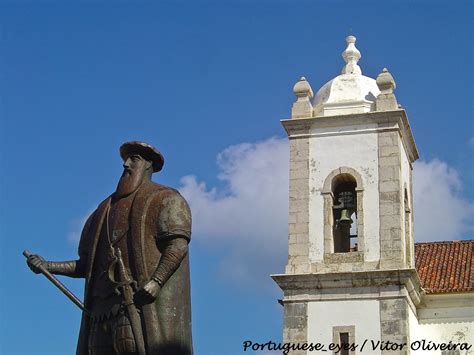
[133, 254]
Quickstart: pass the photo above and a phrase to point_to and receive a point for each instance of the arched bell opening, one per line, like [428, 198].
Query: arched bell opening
[343, 194]
[344, 213]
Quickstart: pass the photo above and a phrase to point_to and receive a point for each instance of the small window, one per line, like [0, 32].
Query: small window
[344, 336]
[344, 343]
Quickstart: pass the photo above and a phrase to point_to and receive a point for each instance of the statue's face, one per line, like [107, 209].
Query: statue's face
[135, 164]
[134, 172]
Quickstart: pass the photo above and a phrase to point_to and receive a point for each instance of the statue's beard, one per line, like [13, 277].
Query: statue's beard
[129, 182]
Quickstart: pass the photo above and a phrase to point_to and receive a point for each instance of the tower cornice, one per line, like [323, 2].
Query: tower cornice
[375, 284]
[355, 124]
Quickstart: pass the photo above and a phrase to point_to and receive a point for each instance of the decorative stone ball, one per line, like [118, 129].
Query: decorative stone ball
[385, 82]
[302, 88]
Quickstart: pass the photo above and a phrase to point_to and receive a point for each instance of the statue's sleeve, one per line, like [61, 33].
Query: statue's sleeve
[74, 268]
[174, 218]
[174, 234]
[84, 245]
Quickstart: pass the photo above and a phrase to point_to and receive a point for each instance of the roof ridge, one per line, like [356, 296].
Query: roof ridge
[447, 241]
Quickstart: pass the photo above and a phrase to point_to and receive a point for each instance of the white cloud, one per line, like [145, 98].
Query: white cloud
[247, 220]
[76, 228]
[441, 212]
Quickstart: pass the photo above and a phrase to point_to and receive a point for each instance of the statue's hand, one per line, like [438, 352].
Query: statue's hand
[34, 262]
[147, 293]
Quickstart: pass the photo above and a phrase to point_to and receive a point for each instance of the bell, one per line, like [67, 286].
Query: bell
[345, 217]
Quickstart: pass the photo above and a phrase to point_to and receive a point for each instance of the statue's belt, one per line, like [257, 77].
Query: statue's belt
[103, 312]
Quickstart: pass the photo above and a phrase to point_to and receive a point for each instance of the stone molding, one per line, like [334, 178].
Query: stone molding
[386, 120]
[375, 284]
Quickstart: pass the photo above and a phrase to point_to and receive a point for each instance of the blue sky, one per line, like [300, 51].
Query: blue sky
[207, 83]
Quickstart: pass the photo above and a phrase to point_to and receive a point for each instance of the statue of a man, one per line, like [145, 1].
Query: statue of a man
[149, 226]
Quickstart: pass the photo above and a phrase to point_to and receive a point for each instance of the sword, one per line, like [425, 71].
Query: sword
[59, 285]
[126, 285]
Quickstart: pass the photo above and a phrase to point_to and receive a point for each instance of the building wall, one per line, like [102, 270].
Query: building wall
[330, 148]
[441, 331]
[364, 315]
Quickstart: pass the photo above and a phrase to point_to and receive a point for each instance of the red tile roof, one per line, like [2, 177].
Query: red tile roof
[445, 266]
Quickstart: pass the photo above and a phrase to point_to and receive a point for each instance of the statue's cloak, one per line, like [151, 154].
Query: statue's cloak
[157, 213]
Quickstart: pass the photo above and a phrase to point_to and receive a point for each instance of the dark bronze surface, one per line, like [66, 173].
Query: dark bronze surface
[125, 286]
[133, 254]
[43, 270]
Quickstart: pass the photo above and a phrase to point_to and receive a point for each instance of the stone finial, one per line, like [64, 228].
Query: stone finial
[386, 100]
[302, 107]
[351, 56]
[302, 89]
[385, 82]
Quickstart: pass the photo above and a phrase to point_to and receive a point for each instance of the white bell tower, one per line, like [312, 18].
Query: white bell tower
[350, 274]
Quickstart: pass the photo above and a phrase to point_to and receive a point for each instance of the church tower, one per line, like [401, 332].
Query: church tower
[350, 274]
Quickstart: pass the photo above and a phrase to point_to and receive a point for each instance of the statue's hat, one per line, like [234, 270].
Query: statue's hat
[145, 150]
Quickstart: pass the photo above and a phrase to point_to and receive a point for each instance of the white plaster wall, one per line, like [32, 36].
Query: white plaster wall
[329, 149]
[441, 332]
[364, 315]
